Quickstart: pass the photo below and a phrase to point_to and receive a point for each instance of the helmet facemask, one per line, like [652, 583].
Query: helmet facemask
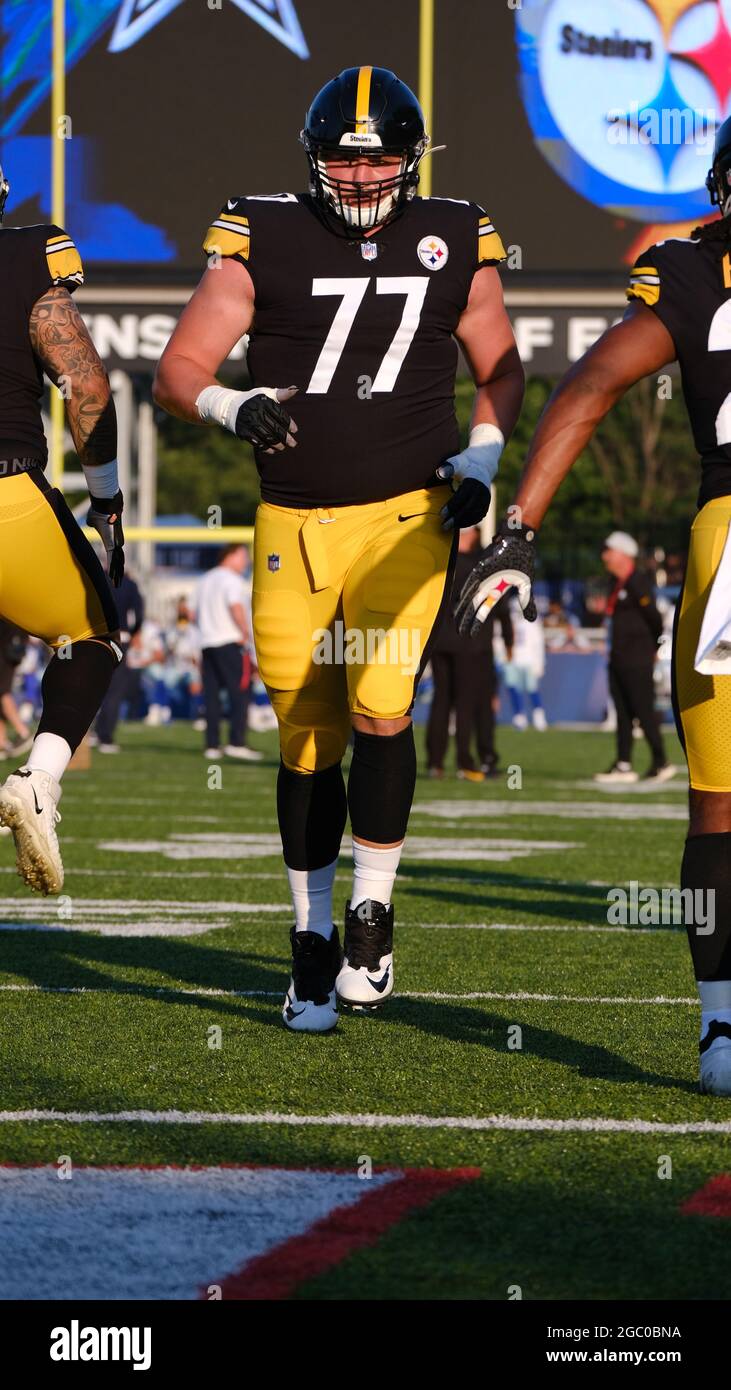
[362, 205]
[718, 183]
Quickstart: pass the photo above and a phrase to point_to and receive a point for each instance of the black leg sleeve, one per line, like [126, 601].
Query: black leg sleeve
[381, 785]
[74, 686]
[312, 811]
[706, 872]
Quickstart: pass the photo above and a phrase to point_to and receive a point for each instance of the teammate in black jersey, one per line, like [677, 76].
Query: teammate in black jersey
[51, 582]
[353, 296]
[680, 308]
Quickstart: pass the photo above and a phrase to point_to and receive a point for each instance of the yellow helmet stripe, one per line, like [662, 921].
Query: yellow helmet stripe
[363, 101]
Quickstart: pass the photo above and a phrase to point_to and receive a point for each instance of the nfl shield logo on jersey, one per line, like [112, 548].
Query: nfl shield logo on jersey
[432, 252]
[273, 562]
[368, 250]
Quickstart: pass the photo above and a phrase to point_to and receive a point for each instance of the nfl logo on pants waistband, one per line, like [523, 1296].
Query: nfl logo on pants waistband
[368, 250]
[273, 562]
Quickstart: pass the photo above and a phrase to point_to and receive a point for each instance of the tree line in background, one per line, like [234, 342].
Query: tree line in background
[640, 473]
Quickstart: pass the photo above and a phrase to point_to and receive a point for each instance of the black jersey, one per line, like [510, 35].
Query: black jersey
[687, 283]
[31, 260]
[636, 620]
[364, 329]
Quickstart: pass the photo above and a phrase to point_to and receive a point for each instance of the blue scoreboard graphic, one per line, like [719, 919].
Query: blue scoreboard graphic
[108, 229]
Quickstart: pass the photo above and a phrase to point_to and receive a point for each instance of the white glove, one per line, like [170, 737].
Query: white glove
[247, 415]
[481, 457]
[473, 470]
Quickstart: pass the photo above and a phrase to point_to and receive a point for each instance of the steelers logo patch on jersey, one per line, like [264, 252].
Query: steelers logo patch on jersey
[433, 252]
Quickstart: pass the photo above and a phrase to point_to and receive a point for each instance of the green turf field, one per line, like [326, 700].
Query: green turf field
[174, 921]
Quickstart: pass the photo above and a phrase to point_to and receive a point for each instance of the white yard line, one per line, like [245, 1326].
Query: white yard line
[525, 1124]
[173, 926]
[494, 811]
[532, 926]
[521, 995]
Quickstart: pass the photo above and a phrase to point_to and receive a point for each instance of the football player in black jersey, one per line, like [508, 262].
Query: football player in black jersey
[51, 582]
[353, 296]
[680, 308]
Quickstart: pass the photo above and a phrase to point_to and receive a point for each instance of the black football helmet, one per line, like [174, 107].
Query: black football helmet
[4, 190]
[365, 111]
[718, 181]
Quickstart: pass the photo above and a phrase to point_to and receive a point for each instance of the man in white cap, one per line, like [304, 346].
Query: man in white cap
[636, 628]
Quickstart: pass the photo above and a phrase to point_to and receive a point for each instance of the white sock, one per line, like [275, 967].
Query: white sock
[50, 753]
[715, 998]
[374, 873]
[312, 898]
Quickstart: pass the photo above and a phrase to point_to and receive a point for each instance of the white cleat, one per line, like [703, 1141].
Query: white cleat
[28, 806]
[246, 755]
[310, 1005]
[366, 975]
[663, 773]
[716, 1060]
[621, 772]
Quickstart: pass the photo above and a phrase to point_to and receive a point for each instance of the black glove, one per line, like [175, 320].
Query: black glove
[105, 515]
[468, 505]
[265, 423]
[508, 563]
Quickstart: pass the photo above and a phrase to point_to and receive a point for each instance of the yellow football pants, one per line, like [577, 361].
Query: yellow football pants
[345, 602]
[702, 703]
[51, 582]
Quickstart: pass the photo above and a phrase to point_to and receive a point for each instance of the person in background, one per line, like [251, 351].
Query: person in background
[464, 682]
[184, 651]
[524, 672]
[225, 636]
[124, 684]
[12, 650]
[636, 629]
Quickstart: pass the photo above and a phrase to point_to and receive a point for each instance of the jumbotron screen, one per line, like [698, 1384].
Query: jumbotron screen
[583, 126]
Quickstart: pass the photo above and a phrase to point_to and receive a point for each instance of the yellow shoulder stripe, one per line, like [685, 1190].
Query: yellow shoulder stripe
[63, 260]
[228, 236]
[489, 243]
[644, 284]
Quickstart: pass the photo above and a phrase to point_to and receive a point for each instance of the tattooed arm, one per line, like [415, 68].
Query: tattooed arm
[61, 342]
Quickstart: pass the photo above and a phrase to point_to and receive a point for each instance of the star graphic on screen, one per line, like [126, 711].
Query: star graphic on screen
[714, 60]
[675, 122]
[279, 17]
[669, 11]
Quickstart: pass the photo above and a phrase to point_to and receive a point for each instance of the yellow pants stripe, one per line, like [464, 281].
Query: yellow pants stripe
[703, 703]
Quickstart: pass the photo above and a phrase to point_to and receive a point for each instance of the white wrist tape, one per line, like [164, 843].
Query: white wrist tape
[481, 457]
[221, 405]
[101, 478]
